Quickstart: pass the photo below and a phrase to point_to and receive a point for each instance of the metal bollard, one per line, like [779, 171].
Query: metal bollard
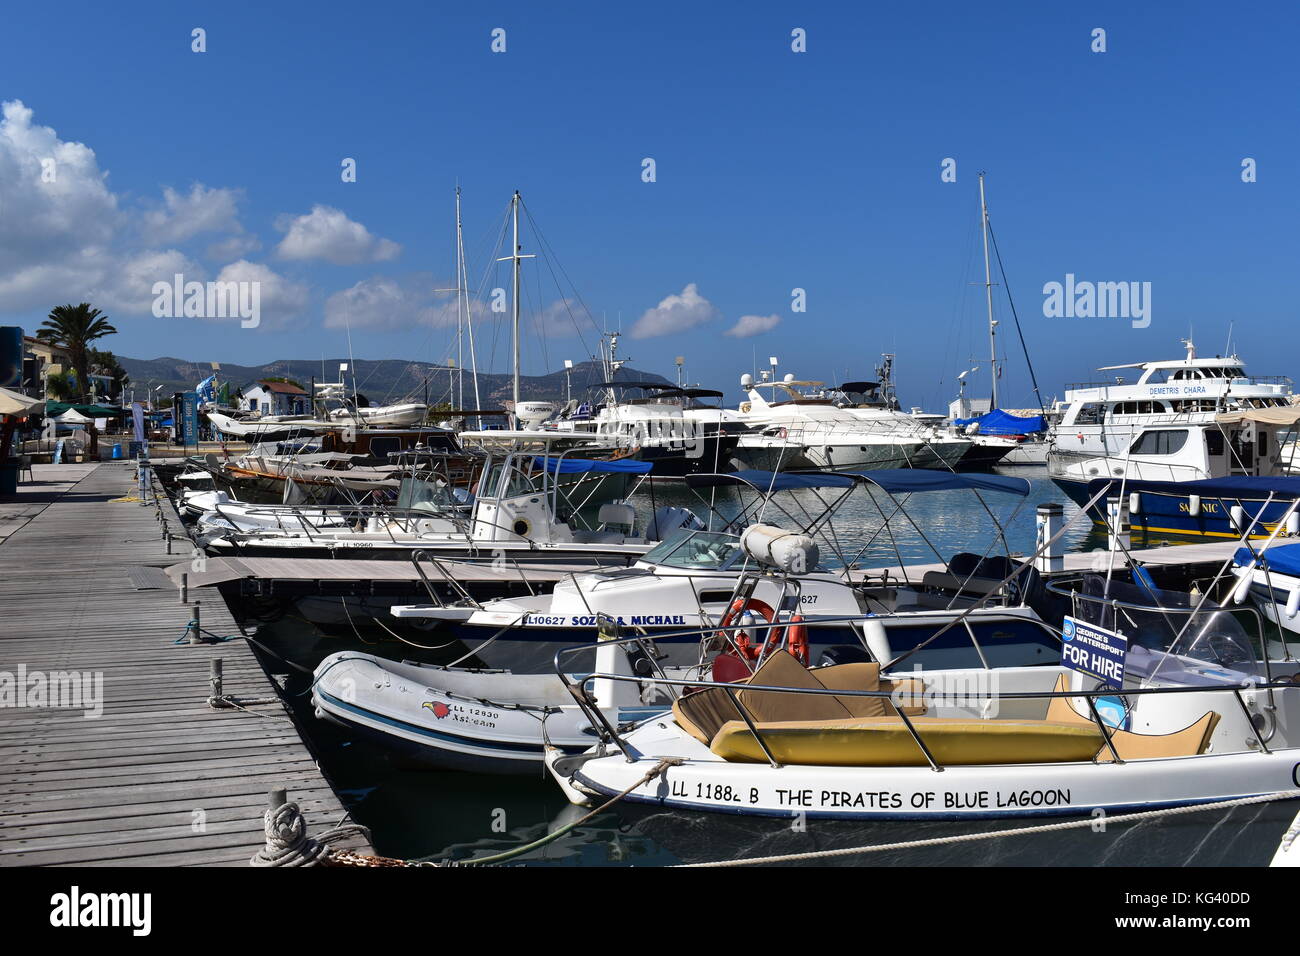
[185, 587]
[215, 689]
[196, 624]
[1051, 557]
[276, 798]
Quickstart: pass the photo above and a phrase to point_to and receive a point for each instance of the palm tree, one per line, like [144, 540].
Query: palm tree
[73, 328]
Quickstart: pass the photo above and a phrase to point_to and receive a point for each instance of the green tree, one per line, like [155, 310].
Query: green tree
[61, 386]
[106, 363]
[73, 328]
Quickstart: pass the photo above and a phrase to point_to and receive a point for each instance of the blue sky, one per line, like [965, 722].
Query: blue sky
[774, 170]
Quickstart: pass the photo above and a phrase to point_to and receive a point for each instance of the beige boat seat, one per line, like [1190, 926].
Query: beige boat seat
[704, 712]
[1188, 742]
[887, 742]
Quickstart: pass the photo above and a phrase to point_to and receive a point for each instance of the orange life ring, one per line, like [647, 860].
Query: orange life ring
[798, 632]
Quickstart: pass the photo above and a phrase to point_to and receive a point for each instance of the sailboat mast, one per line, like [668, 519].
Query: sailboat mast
[514, 203]
[462, 280]
[988, 294]
[460, 317]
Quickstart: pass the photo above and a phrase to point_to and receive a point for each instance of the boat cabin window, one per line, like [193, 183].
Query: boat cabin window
[1213, 442]
[1166, 442]
[1144, 407]
[1089, 414]
[517, 483]
[698, 550]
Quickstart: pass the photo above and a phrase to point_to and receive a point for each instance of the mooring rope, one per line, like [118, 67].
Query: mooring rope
[997, 834]
[287, 843]
[554, 835]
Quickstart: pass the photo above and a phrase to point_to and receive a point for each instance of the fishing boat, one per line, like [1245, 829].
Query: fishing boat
[1198, 722]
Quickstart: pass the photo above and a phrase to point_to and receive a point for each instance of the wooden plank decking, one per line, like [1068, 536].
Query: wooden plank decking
[160, 778]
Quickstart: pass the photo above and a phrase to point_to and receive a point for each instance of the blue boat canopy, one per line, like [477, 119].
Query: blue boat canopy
[765, 481]
[908, 480]
[998, 422]
[1237, 486]
[573, 466]
[1284, 559]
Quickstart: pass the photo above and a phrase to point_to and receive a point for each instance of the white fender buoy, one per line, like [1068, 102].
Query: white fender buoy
[1293, 602]
[877, 640]
[1293, 523]
[1243, 586]
[1238, 517]
[1194, 505]
[1134, 503]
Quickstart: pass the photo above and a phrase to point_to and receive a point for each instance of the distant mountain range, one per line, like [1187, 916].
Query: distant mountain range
[383, 381]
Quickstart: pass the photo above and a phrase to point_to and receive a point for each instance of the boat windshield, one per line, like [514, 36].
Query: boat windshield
[1173, 638]
[696, 550]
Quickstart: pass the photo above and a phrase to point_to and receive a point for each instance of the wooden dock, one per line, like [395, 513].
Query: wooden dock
[159, 778]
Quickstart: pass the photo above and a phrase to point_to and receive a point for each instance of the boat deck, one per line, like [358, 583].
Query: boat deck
[159, 778]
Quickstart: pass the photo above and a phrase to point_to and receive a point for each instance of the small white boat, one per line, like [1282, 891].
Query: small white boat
[488, 721]
[850, 742]
[382, 416]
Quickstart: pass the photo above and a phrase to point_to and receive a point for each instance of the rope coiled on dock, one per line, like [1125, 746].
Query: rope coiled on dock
[287, 842]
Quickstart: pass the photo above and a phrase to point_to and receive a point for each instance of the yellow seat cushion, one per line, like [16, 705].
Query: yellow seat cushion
[886, 742]
[1188, 742]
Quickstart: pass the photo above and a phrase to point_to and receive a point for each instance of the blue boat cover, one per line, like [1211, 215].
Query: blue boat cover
[573, 466]
[1284, 559]
[908, 480]
[766, 481]
[1239, 486]
[998, 422]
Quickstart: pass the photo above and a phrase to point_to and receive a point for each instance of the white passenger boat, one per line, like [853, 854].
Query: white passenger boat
[1200, 722]
[1184, 420]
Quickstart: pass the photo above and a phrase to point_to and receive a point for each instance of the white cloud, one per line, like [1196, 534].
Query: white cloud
[384, 302]
[748, 325]
[327, 233]
[675, 313]
[54, 229]
[129, 287]
[184, 216]
[281, 298]
[388, 302]
[234, 247]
